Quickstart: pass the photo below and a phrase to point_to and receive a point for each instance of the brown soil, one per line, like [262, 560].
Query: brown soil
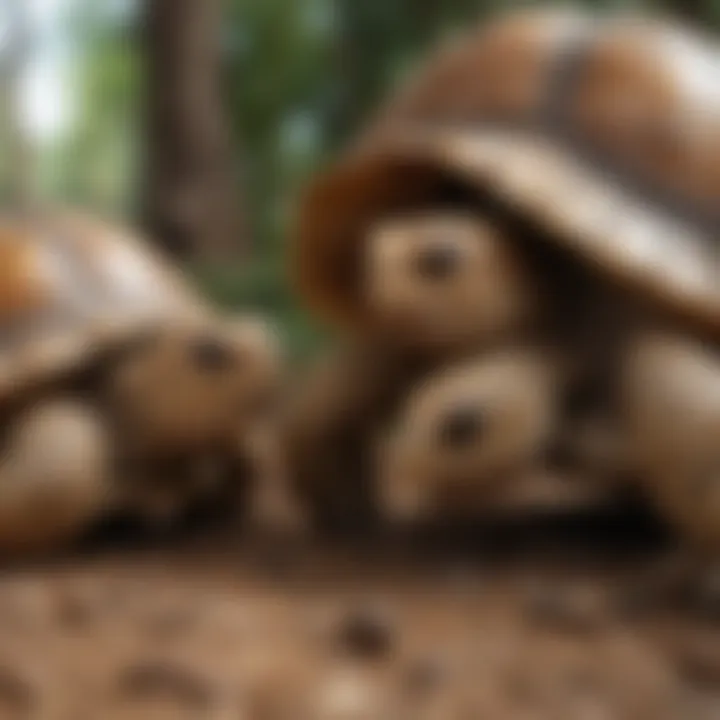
[527, 630]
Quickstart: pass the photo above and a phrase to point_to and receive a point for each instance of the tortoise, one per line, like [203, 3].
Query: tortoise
[472, 441]
[121, 389]
[549, 178]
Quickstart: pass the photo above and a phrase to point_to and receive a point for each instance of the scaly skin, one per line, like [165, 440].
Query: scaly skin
[55, 476]
[445, 282]
[468, 434]
[199, 393]
[671, 414]
[193, 385]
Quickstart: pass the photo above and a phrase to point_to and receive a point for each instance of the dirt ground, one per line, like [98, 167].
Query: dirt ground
[529, 625]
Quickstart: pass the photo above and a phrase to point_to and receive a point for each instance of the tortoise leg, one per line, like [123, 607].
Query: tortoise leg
[272, 504]
[155, 494]
[671, 410]
[54, 475]
[328, 429]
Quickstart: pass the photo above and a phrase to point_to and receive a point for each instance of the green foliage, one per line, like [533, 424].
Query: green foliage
[262, 287]
[96, 163]
[275, 55]
[300, 78]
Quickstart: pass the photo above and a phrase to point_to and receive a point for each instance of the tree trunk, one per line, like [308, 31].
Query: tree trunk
[192, 198]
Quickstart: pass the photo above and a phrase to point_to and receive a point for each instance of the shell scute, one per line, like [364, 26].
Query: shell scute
[72, 286]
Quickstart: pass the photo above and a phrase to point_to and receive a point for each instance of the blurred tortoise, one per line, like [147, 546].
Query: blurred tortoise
[120, 389]
[549, 178]
[484, 422]
[472, 441]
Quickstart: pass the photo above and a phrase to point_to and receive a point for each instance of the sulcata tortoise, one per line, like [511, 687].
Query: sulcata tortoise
[548, 183]
[121, 390]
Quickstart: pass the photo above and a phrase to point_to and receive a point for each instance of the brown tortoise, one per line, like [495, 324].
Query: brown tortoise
[549, 180]
[120, 389]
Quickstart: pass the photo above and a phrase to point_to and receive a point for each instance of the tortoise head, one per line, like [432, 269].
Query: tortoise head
[198, 386]
[464, 432]
[443, 279]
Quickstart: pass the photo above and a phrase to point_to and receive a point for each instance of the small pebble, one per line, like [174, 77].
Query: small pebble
[565, 610]
[75, 610]
[17, 696]
[697, 659]
[367, 633]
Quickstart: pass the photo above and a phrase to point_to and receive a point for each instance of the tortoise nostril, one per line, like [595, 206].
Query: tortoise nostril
[462, 427]
[211, 354]
[438, 262]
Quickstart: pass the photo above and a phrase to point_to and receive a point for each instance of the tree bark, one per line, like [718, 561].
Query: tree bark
[192, 197]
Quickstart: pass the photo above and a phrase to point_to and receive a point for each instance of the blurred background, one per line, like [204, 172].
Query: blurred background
[199, 120]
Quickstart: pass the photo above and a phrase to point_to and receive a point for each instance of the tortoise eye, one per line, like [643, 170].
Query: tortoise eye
[438, 262]
[210, 354]
[462, 427]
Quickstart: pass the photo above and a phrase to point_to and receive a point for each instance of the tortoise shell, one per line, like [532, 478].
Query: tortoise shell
[72, 287]
[605, 132]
